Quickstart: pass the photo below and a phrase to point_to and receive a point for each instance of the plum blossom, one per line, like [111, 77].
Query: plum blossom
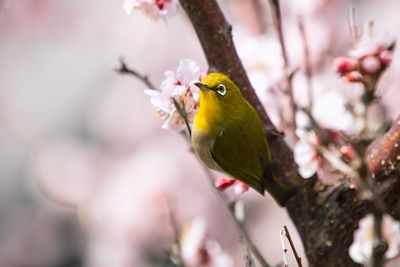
[361, 249]
[154, 9]
[306, 154]
[177, 86]
[197, 250]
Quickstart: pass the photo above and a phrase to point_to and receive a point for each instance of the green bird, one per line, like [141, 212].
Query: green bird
[228, 136]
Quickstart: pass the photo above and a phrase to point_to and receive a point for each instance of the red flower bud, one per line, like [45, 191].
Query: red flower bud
[343, 65]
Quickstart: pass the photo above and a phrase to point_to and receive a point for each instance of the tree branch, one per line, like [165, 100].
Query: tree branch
[277, 15]
[384, 157]
[124, 69]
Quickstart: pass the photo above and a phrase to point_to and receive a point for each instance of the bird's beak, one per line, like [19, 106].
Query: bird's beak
[202, 86]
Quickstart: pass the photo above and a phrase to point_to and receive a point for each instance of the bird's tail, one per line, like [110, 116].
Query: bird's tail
[276, 188]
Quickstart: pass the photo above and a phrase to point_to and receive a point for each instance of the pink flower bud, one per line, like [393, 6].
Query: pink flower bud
[343, 65]
[386, 57]
[354, 76]
[223, 183]
[371, 64]
[240, 187]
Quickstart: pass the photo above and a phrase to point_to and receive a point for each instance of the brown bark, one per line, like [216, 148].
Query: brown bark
[325, 216]
[384, 157]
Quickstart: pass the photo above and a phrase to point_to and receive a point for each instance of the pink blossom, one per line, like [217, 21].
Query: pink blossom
[179, 86]
[155, 9]
[361, 249]
[197, 250]
[223, 183]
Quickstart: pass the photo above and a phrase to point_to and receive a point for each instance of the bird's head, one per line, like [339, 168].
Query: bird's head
[216, 89]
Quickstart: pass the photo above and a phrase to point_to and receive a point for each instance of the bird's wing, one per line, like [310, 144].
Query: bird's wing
[240, 155]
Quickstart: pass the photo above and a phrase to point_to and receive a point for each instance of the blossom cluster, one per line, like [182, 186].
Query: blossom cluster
[178, 87]
[370, 57]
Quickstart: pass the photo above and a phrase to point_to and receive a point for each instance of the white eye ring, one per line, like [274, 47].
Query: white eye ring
[221, 89]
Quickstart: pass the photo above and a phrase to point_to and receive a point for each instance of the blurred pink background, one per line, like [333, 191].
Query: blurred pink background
[85, 168]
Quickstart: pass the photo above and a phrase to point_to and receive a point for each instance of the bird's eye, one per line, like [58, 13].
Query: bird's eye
[221, 89]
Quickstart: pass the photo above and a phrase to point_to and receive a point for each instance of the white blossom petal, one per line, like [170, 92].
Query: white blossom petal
[330, 112]
[308, 170]
[302, 119]
[187, 71]
[304, 152]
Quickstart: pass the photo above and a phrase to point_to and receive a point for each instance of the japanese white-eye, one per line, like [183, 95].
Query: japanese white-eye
[228, 136]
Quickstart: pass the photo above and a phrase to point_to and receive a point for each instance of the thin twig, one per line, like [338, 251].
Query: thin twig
[297, 257]
[352, 25]
[307, 63]
[284, 249]
[182, 112]
[248, 259]
[279, 28]
[125, 70]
